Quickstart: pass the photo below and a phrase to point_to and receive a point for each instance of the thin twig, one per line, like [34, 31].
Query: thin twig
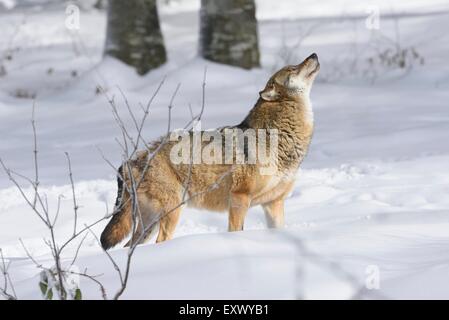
[72, 184]
[4, 267]
[36, 165]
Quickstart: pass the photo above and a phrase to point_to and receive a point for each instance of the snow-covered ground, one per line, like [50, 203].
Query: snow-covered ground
[372, 195]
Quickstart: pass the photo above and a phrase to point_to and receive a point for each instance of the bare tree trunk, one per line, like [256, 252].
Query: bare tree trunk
[134, 35]
[229, 32]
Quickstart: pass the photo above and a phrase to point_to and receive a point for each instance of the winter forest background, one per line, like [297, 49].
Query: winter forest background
[368, 217]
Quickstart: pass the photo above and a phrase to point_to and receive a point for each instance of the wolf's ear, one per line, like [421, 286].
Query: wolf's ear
[269, 93]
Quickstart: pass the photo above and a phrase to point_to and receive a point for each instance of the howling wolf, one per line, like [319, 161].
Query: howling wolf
[284, 105]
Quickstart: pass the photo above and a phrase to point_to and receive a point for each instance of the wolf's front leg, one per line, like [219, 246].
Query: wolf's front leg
[238, 207]
[274, 213]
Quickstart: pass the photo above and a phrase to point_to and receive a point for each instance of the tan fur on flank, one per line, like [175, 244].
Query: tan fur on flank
[283, 105]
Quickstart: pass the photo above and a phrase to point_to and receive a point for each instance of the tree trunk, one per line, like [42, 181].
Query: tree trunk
[229, 32]
[133, 34]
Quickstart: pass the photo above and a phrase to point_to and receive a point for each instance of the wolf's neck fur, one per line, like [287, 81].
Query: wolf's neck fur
[294, 116]
[294, 138]
[307, 110]
[294, 122]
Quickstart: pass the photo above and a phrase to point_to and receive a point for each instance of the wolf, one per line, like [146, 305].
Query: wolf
[284, 104]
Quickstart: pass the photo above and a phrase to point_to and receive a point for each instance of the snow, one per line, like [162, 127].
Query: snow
[373, 190]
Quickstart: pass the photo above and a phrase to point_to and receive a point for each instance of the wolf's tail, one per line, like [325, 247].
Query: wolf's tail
[120, 225]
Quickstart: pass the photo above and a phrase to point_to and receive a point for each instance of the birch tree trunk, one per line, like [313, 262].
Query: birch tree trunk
[228, 32]
[134, 35]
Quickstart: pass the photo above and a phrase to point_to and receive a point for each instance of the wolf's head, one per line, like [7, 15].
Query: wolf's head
[292, 82]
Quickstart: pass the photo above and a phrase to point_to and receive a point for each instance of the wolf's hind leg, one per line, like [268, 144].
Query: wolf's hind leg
[274, 213]
[167, 225]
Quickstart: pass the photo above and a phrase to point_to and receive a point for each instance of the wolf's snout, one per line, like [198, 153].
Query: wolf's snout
[312, 63]
[313, 56]
[312, 59]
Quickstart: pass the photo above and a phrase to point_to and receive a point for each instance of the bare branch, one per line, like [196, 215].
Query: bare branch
[29, 254]
[203, 94]
[19, 188]
[36, 165]
[72, 184]
[115, 265]
[78, 249]
[4, 267]
[92, 278]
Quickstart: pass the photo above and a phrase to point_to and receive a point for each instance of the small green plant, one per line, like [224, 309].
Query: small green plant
[49, 285]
